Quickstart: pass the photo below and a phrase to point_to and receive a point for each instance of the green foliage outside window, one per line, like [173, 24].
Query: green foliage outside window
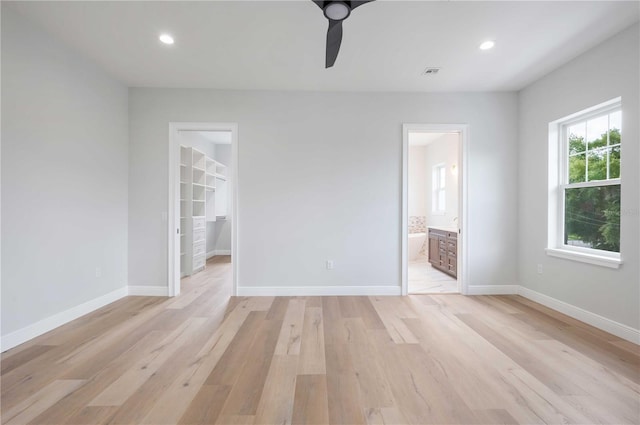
[592, 214]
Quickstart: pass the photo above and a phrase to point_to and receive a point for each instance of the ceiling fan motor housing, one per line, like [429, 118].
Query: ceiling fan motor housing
[337, 10]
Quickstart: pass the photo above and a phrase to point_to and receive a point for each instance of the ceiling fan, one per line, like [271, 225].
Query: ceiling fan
[336, 12]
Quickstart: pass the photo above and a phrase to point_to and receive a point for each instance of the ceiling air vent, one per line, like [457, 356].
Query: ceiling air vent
[431, 71]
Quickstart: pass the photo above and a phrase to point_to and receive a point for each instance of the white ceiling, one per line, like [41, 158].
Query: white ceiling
[281, 45]
[424, 139]
[217, 137]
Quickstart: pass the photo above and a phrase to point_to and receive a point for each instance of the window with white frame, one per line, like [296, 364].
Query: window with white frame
[438, 185]
[588, 190]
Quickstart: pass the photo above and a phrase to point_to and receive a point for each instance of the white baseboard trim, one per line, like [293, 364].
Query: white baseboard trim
[45, 325]
[218, 252]
[618, 329]
[492, 289]
[149, 291]
[304, 291]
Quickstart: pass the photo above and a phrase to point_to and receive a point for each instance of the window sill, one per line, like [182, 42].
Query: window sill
[597, 260]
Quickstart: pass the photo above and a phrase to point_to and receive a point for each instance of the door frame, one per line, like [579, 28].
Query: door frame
[173, 219]
[463, 205]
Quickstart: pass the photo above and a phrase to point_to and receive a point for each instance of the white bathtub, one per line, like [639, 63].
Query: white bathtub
[416, 240]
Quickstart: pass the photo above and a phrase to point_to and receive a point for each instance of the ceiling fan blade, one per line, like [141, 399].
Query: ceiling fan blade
[355, 4]
[334, 39]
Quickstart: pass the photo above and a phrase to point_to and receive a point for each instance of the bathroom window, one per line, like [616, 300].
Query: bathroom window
[438, 199]
[587, 204]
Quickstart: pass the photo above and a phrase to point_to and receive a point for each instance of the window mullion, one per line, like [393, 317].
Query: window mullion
[608, 142]
[586, 154]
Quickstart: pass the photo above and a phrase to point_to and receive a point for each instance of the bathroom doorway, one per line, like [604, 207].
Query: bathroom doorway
[433, 189]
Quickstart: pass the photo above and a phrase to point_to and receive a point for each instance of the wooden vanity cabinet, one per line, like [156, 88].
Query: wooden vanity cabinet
[443, 250]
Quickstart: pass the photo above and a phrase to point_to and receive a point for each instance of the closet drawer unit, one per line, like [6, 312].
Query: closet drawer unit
[199, 235]
[199, 223]
[198, 262]
[199, 249]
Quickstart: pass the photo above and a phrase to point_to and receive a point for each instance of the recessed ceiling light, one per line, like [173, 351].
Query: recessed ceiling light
[166, 39]
[487, 45]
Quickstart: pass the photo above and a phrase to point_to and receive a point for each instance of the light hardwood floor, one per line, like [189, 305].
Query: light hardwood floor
[205, 358]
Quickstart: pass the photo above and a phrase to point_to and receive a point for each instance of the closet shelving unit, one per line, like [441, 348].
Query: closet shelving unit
[192, 211]
[203, 198]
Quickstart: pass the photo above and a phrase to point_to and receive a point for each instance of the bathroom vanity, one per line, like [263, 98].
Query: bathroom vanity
[443, 250]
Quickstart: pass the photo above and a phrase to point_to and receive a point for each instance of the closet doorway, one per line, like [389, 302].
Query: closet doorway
[202, 199]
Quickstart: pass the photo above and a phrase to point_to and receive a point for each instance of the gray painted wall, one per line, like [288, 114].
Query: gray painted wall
[603, 73]
[320, 178]
[64, 177]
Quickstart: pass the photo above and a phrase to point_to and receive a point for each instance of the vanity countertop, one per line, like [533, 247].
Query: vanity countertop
[444, 228]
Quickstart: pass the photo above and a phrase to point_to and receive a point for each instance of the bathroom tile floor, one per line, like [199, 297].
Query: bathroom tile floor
[424, 279]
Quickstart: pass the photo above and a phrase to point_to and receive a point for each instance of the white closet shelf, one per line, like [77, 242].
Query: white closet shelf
[198, 184]
[221, 177]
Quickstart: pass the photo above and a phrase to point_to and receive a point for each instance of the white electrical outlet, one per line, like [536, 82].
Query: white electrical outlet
[98, 272]
[329, 264]
[539, 268]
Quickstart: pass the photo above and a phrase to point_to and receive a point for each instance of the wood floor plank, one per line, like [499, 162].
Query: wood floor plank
[89, 415]
[554, 377]
[173, 402]
[235, 420]
[276, 403]
[312, 361]
[385, 416]
[311, 404]
[39, 402]
[421, 389]
[342, 387]
[119, 391]
[495, 417]
[391, 314]
[291, 334]
[152, 392]
[278, 308]
[247, 390]
[206, 406]
[70, 407]
[332, 317]
[368, 313]
[228, 368]
[24, 357]
[373, 385]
